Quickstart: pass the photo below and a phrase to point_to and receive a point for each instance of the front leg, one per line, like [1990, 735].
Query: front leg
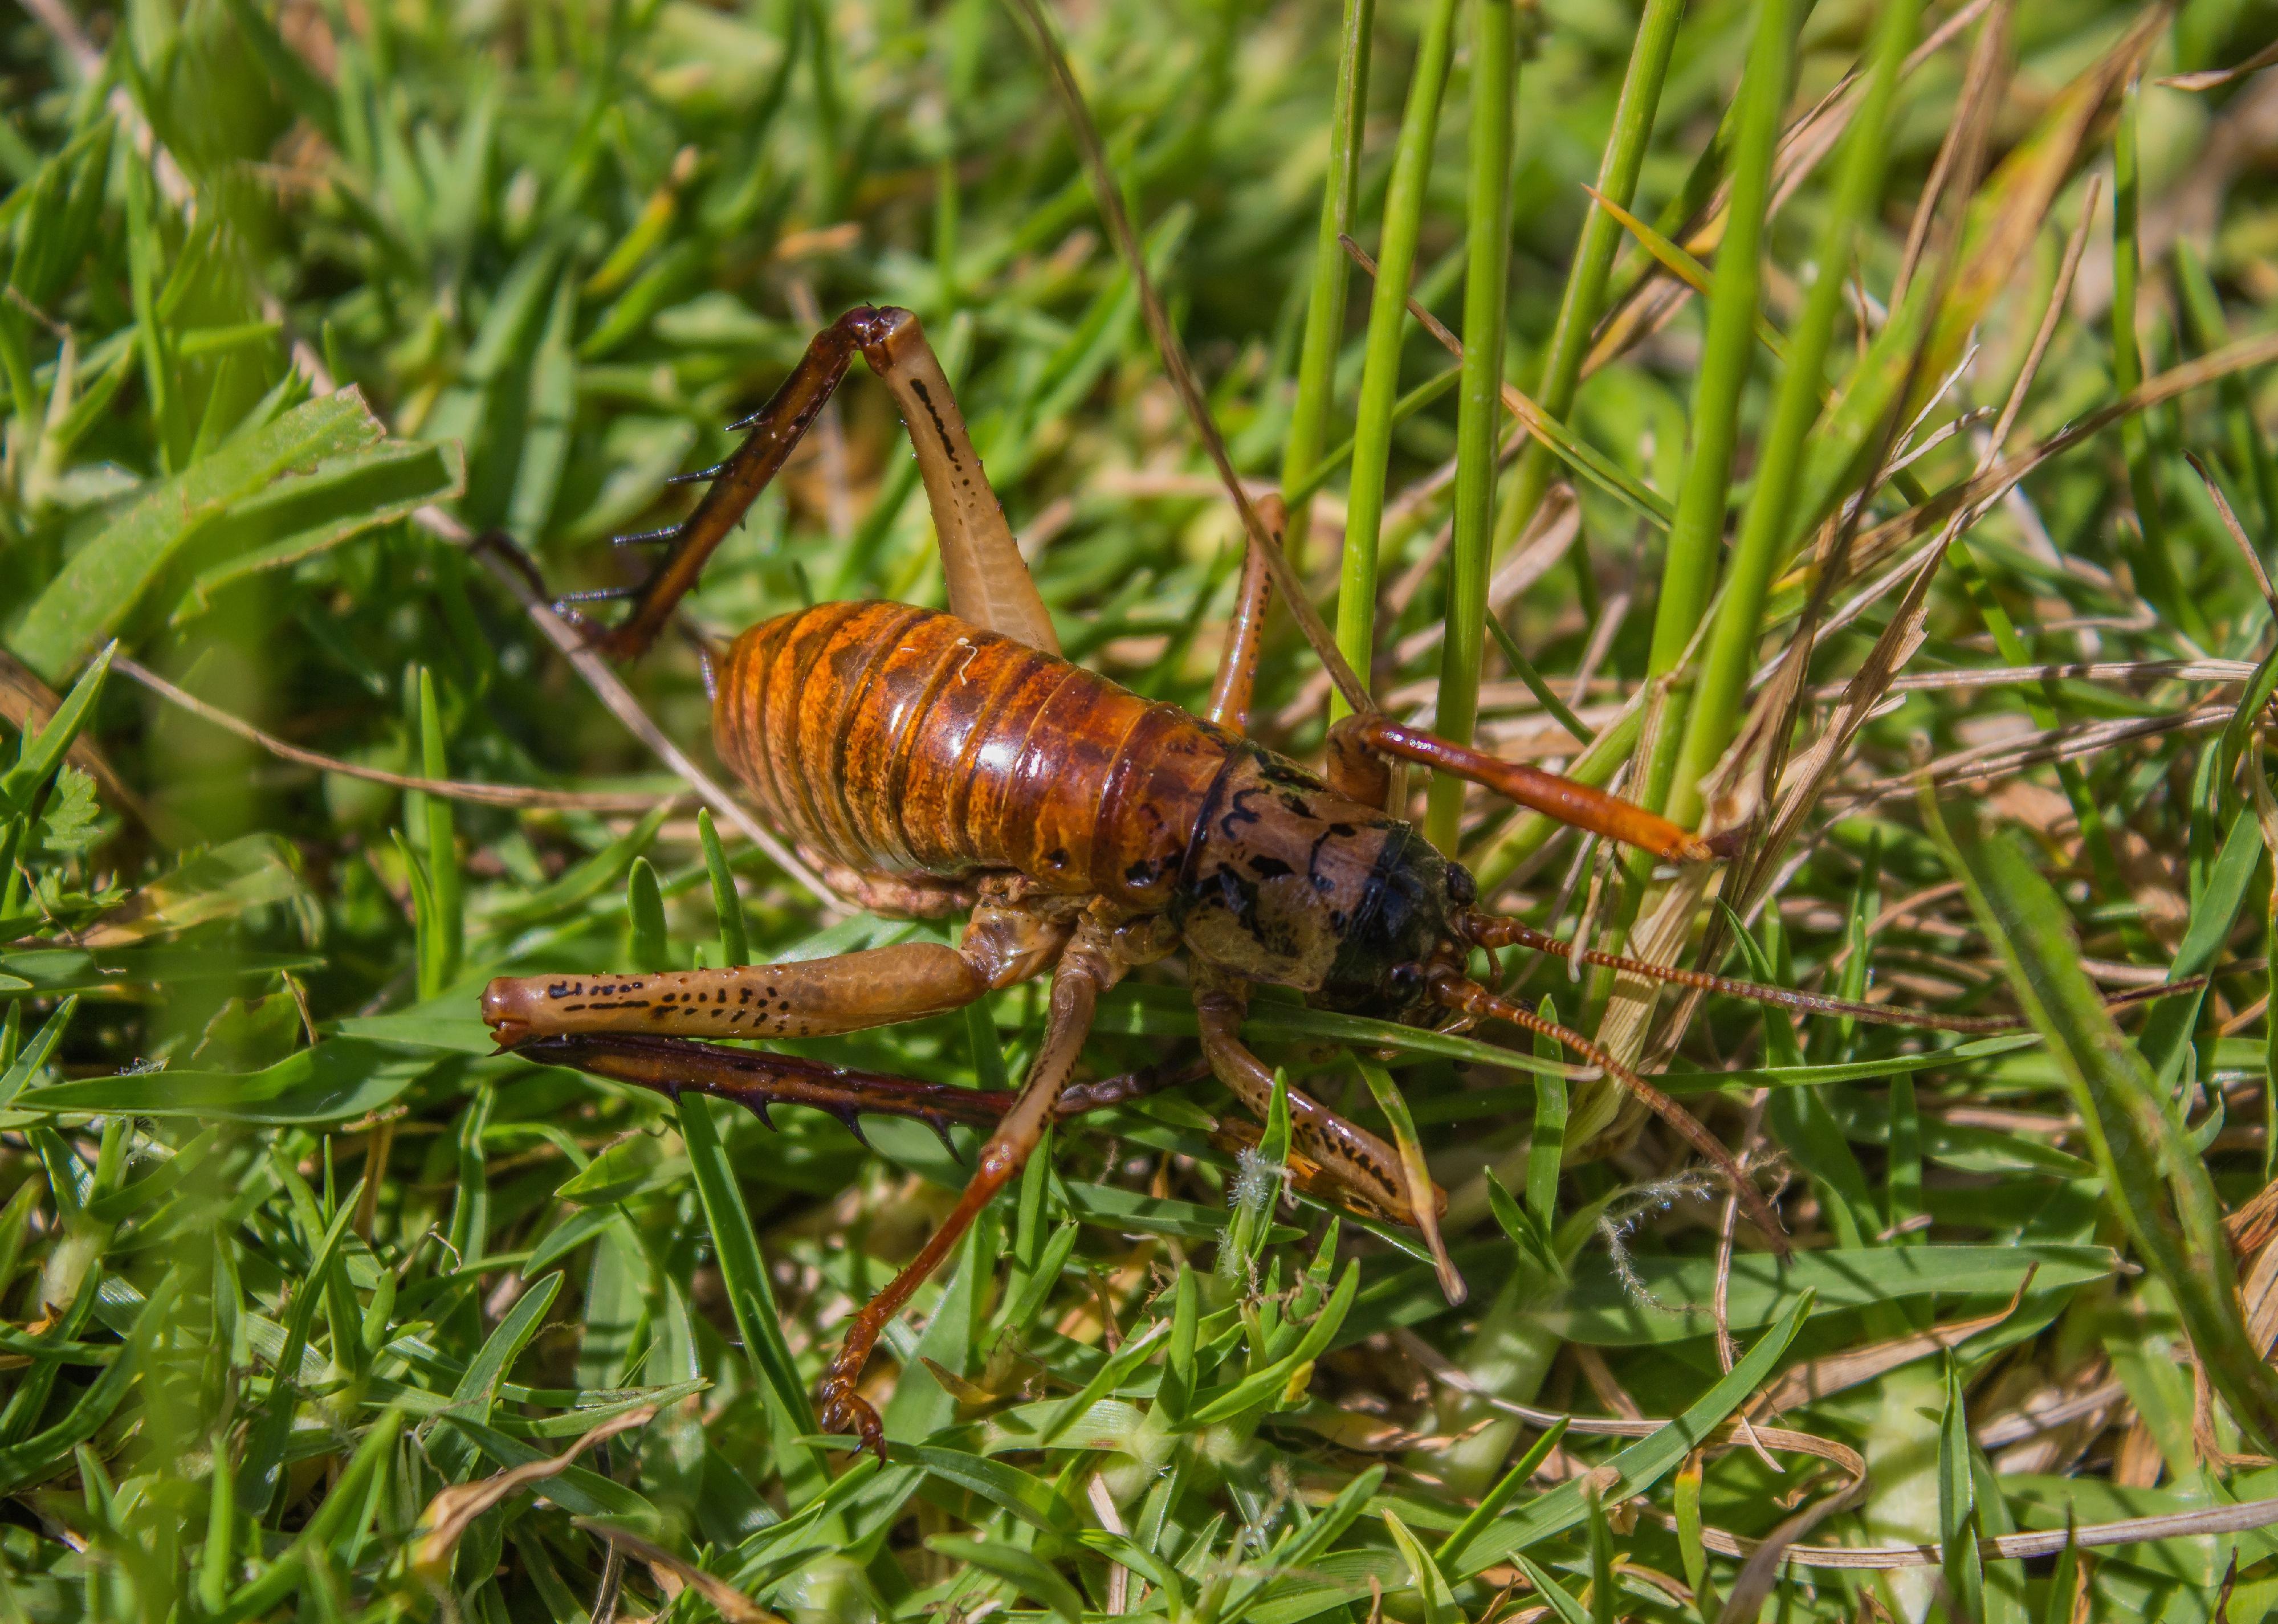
[1360, 746]
[1352, 1157]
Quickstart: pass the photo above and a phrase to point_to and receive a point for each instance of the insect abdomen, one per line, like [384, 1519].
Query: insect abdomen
[897, 738]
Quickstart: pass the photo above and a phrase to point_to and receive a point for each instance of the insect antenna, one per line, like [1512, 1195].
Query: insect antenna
[1468, 997]
[645, 538]
[697, 476]
[1492, 931]
[597, 594]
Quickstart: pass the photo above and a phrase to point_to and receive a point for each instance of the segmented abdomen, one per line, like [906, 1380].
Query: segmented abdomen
[894, 738]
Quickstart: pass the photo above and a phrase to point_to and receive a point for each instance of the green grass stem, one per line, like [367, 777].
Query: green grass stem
[1583, 297]
[1728, 354]
[2252, 465]
[442, 840]
[2163, 583]
[1720, 695]
[1479, 413]
[1388, 324]
[1314, 402]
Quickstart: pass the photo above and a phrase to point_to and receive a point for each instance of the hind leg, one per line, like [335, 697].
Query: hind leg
[811, 998]
[988, 583]
[757, 1079]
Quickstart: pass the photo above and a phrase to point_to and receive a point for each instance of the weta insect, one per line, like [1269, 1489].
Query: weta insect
[935, 762]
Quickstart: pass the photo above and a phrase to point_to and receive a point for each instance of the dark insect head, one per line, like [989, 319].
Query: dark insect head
[1405, 923]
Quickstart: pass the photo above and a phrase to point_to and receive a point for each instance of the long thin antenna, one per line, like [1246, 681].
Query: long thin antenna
[1462, 993]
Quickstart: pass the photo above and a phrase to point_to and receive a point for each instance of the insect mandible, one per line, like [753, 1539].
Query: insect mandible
[935, 762]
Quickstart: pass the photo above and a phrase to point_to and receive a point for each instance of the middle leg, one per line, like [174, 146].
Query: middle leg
[1245, 634]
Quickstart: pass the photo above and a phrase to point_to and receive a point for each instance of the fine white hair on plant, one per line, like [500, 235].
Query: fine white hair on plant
[1255, 1183]
[1251, 1193]
[1621, 1216]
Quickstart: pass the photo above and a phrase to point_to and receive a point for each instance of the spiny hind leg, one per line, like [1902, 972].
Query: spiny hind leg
[757, 1079]
[989, 584]
[1360, 746]
[818, 997]
[776, 428]
[1086, 970]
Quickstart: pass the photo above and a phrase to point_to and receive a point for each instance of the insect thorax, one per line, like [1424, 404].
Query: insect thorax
[1287, 882]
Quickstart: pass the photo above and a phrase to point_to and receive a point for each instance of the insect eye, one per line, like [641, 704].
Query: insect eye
[1404, 978]
[1462, 890]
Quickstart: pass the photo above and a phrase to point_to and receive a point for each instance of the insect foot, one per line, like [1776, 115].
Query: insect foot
[844, 1410]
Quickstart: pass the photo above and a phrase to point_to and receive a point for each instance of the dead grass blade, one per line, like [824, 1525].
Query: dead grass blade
[1820, 1378]
[2007, 214]
[2017, 1547]
[452, 1512]
[730, 1603]
[2237, 533]
[1654, 298]
[2054, 671]
[1984, 762]
[2215, 78]
[1963, 146]
[1736, 1434]
[1981, 489]
[26, 703]
[449, 789]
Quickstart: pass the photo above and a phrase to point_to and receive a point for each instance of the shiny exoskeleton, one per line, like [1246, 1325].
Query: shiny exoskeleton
[893, 738]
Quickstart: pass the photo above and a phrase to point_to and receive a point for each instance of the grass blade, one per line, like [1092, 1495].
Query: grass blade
[1585, 293]
[1713, 718]
[1387, 322]
[1314, 399]
[2155, 1183]
[1689, 565]
[1486, 280]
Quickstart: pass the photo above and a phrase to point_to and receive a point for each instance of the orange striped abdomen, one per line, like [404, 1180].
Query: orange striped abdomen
[894, 738]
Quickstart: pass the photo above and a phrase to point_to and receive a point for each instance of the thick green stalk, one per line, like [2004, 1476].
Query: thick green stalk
[1479, 406]
[1720, 697]
[1688, 574]
[1325, 305]
[1387, 317]
[1578, 308]
[2157, 565]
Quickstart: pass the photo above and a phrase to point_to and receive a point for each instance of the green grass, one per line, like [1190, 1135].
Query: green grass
[294, 1271]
